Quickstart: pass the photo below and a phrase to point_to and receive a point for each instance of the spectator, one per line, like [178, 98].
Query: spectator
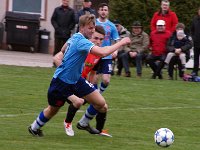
[123, 32]
[139, 43]
[195, 32]
[158, 42]
[63, 21]
[165, 14]
[85, 10]
[105, 64]
[178, 48]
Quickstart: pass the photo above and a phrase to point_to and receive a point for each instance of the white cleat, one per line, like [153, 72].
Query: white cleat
[68, 129]
[105, 133]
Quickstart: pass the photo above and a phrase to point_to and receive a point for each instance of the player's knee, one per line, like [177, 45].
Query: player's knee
[104, 108]
[50, 111]
[106, 81]
[79, 103]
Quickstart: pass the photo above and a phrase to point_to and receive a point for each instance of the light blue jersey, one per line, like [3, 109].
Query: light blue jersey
[111, 33]
[74, 57]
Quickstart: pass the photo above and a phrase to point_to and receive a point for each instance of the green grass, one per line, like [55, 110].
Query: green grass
[137, 108]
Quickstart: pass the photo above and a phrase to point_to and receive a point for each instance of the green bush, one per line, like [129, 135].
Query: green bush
[129, 10]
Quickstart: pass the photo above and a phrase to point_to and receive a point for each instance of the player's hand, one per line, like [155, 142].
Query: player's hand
[125, 41]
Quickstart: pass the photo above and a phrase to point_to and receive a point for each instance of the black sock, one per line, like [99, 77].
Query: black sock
[100, 119]
[71, 113]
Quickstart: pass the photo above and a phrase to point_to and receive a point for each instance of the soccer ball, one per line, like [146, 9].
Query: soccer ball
[164, 137]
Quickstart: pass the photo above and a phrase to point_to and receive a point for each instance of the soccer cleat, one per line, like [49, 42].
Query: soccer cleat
[88, 128]
[68, 129]
[105, 133]
[35, 133]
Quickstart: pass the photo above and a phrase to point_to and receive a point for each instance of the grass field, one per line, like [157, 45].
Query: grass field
[137, 108]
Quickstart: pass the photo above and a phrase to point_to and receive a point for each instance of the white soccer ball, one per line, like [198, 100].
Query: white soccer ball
[164, 137]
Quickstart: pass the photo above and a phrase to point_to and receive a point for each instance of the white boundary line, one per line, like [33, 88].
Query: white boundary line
[26, 114]
[129, 109]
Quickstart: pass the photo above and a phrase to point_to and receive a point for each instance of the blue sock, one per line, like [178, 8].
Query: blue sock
[89, 115]
[39, 122]
[91, 112]
[96, 86]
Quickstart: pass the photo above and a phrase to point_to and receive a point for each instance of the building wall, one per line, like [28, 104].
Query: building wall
[46, 23]
[2, 16]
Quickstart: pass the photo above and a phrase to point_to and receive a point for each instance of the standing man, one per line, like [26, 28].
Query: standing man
[105, 67]
[195, 32]
[67, 84]
[63, 21]
[105, 64]
[165, 14]
[85, 10]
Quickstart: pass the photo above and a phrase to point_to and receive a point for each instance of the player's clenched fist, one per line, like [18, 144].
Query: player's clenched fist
[125, 41]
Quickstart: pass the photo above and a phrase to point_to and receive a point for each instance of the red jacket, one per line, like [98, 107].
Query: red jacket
[158, 42]
[170, 20]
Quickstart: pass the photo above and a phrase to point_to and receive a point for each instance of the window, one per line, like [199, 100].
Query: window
[28, 6]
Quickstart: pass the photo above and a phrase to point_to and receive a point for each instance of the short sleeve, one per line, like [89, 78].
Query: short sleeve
[84, 45]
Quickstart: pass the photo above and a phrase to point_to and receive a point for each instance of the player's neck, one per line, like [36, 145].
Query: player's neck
[102, 19]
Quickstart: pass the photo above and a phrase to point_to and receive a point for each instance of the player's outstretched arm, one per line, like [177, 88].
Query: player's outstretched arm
[107, 50]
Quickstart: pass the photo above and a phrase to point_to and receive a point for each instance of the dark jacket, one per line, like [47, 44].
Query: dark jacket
[195, 31]
[83, 12]
[63, 21]
[185, 44]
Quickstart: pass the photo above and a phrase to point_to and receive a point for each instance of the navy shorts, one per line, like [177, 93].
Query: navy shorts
[59, 91]
[96, 67]
[105, 66]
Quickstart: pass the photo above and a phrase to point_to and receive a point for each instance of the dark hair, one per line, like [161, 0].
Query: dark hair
[101, 5]
[100, 29]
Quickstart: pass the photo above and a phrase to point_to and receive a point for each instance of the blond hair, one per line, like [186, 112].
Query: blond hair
[86, 19]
